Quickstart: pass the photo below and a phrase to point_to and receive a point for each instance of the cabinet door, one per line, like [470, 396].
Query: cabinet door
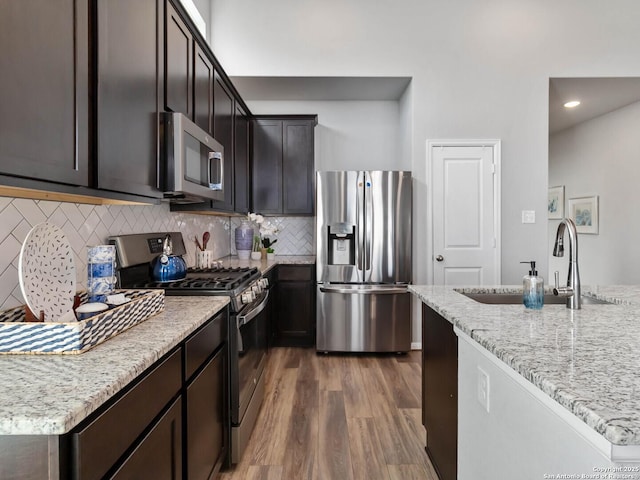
[440, 392]
[128, 36]
[44, 90]
[206, 439]
[266, 174]
[202, 89]
[178, 73]
[241, 160]
[295, 320]
[159, 454]
[297, 167]
[223, 113]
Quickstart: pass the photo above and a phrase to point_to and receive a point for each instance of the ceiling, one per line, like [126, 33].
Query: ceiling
[597, 96]
[321, 88]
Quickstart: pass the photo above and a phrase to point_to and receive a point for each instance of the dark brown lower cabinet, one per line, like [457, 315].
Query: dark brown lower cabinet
[170, 423]
[440, 392]
[295, 318]
[100, 442]
[159, 454]
[206, 433]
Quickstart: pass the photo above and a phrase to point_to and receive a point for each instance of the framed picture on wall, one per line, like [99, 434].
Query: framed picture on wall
[555, 205]
[584, 212]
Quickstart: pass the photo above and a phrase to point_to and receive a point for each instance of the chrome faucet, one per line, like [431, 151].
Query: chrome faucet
[572, 290]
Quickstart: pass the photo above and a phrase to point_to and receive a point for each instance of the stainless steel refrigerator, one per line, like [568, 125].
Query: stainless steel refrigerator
[363, 236]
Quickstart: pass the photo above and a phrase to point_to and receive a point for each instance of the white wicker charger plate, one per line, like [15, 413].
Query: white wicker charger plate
[47, 272]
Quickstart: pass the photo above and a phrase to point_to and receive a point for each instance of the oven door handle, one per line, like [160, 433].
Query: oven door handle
[244, 319]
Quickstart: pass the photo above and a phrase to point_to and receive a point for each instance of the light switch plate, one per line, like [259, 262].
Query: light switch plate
[483, 389]
[528, 216]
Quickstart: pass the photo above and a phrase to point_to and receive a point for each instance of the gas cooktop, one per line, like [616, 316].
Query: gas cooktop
[216, 281]
[135, 253]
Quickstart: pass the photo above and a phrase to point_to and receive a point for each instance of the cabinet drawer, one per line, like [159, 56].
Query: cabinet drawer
[99, 445]
[295, 273]
[203, 343]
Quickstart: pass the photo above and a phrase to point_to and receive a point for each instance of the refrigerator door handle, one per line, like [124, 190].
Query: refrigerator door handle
[364, 290]
[360, 222]
[368, 223]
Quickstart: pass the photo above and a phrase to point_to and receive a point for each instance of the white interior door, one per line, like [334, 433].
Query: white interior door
[466, 212]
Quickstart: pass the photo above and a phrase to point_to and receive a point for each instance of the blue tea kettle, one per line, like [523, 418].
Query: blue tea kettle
[168, 267]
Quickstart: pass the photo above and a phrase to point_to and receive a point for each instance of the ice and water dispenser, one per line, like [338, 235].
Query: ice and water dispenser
[342, 244]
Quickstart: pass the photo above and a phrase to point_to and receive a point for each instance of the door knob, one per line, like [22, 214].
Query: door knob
[439, 258]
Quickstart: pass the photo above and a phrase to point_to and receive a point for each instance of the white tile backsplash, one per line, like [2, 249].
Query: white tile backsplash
[295, 236]
[86, 225]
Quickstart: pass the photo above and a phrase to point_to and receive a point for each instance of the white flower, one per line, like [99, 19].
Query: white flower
[254, 217]
[267, 229]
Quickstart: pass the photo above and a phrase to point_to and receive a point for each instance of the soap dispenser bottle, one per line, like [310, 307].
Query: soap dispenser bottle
[533, 288]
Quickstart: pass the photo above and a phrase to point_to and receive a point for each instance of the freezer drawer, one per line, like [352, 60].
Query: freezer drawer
[363, 319]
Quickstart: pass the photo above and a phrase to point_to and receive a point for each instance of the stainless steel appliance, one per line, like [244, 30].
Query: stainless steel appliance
[363, 261]
[193, 161]
[249, 296]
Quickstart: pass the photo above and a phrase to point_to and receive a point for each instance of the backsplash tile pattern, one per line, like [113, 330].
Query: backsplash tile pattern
[86, 225]
[295, 236]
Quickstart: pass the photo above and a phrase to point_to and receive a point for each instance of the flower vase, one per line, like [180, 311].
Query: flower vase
[244, 239]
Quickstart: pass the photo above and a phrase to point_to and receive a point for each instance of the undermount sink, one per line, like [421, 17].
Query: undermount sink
[516, 298]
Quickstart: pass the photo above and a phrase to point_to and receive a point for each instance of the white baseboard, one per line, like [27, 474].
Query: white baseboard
[416, 345]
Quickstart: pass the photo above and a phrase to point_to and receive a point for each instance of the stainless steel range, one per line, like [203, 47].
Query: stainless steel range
[248, 294]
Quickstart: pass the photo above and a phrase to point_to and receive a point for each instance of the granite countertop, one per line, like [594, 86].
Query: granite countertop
[51, 394]
[586, 360]
[266, 265]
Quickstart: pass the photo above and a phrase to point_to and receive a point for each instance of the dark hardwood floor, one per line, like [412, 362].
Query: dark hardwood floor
[338, 417]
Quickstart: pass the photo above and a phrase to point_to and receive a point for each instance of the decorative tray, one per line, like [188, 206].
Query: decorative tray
[18, 336]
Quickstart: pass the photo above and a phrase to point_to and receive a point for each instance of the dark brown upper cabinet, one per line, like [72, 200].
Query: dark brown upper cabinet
[189, 73]
[241, 160]
[129, 36]
[179, 64]
[203, 75]
[282, 174]
[266, 172]
[44, 100]
[223, 119]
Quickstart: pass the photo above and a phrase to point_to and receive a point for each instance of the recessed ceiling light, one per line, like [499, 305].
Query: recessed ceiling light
[572, 104]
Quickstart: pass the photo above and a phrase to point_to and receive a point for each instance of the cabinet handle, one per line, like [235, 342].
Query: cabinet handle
[439, 258]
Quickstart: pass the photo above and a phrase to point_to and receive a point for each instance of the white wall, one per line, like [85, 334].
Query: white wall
[479, 69]
[350, 135]
[601, 157]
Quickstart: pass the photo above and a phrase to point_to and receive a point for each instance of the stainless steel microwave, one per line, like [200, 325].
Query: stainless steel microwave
[193, 161]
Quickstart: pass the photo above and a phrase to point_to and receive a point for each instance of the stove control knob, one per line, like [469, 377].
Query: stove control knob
[256, 289]
[264, 282]
[246, 298]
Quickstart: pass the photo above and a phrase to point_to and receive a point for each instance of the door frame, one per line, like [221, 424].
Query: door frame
[497, 196]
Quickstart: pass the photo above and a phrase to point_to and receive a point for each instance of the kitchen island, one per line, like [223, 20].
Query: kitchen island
[44, 397]
[561, 388]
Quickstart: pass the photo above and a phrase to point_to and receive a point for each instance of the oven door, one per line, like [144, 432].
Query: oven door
[248, 350]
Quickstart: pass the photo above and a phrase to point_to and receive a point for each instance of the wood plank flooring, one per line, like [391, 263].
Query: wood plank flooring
[338, 417]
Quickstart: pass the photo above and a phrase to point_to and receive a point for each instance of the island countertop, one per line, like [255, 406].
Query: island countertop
[586, 360]
[51, 394]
